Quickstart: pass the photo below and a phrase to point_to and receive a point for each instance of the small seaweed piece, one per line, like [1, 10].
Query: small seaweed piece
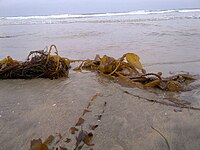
[86, 111]
[80, 121]
[162, 137]
[73, 130]
[153, 83]
[68, 140]
[49, 139]
[36, 144]
[62, 148]
[81, 136]
[134, 60]
[93, 126]
[81, 146]
[95, 96]
[88, 139]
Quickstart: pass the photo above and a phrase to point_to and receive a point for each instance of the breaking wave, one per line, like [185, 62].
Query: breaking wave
[140, 12]
[133, 16]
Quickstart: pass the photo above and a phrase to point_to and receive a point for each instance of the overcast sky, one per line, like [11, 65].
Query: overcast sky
[47, 7]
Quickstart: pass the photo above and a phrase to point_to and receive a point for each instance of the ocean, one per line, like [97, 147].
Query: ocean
[167, 41]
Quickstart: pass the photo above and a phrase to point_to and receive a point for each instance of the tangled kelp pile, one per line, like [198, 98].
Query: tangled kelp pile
[39, 64]
[129, 69]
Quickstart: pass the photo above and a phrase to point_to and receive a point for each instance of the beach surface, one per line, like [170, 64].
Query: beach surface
[165, 42]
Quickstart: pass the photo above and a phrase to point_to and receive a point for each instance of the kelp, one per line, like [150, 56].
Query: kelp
[129, 69]
[39, 64]
[78, 136]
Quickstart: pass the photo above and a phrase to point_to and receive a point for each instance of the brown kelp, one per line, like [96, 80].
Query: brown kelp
[39, 64]
[129, 69]
[79, 136]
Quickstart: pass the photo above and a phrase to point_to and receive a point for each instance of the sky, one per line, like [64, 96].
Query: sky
[50, 7]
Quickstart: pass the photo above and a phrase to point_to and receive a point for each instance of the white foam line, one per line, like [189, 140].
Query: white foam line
[63, 16]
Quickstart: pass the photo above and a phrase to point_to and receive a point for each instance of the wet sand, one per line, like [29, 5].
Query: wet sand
[125, 125]
[37, 108]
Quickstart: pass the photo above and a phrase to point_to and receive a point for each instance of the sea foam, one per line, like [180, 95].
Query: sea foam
[63, 16]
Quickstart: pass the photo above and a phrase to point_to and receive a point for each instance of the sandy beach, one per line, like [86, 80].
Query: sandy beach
[31, 109]
[126, 123]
